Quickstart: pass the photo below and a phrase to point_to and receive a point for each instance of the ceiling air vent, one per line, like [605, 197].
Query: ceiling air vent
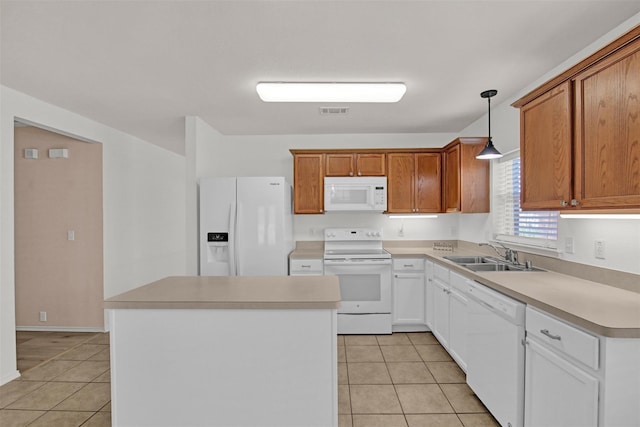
[333, 110]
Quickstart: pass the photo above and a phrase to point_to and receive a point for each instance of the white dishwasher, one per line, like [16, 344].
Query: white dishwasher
[495, 352]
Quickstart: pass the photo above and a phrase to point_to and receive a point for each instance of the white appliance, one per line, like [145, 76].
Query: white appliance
[355, 194]
[363, 268]
[245, 226]
[495, 352]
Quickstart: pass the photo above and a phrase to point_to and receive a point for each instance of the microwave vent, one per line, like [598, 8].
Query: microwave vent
[333, 110]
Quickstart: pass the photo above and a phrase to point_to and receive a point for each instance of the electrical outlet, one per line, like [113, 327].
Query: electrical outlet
[43, 316]
[599, 249]
[568, 245]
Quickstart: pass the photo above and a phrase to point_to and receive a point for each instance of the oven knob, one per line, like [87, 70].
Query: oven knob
[377, 234]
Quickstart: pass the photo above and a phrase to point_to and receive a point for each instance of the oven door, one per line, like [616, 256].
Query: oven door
[365, 285]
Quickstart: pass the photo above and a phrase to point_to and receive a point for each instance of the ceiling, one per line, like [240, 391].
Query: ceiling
[141, 66]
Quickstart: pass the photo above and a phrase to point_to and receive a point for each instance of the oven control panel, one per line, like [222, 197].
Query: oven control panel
[352, 234]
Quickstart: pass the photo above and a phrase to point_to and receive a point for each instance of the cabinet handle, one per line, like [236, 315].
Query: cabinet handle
[550, 335]
[563, 203]
[574, 202]
[350, 173]
[359, 173]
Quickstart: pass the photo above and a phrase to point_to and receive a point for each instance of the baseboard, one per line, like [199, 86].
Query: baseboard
[9, 377]
[57, 329]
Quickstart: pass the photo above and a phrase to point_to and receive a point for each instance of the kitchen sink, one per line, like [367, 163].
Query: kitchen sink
[498, 267]
[487, 263]
[460, 259]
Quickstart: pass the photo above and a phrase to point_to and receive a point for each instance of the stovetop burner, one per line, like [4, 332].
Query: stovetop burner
[360, 243]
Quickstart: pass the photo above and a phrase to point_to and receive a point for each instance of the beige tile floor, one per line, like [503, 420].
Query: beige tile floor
[403, 380]
[65, 381]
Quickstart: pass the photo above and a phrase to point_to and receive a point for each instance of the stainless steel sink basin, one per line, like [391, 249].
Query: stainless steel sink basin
[498, 267]
[460, 259]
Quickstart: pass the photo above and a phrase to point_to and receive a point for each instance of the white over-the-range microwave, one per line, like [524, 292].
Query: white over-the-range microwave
[355, 194]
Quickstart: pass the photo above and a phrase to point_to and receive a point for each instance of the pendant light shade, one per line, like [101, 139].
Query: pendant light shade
[489, 151]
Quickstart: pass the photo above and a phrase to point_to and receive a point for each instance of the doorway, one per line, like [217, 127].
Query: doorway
[58, 233]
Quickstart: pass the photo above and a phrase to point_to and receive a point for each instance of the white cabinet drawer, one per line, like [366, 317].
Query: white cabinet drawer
[458, 282]
[313, 266]
[408, 264]
[563, 337]
[440, 272]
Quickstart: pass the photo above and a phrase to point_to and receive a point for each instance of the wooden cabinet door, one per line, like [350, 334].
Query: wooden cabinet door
[400, 182]
[308, 180]
[452, 179]
[428, 182]
[340, 165]
[474, 180]
[607, 140]
[545, 150]
[370, 164]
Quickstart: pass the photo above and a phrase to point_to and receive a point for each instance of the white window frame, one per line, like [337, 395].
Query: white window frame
[501, 198]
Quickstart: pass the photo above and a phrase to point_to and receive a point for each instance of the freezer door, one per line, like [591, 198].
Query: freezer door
[263, 231]
[217, 217]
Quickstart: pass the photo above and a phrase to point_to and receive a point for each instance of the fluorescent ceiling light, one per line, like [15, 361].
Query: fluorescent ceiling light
[330, 92]
[600, 216]
[412, 216]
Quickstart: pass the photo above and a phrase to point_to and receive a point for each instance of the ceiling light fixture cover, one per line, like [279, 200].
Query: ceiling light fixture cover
[330, 92]
[489, 151]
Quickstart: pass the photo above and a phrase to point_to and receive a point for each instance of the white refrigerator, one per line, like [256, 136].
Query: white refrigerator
[245, 226]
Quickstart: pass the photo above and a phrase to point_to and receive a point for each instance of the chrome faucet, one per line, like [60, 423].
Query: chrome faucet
[510, 255]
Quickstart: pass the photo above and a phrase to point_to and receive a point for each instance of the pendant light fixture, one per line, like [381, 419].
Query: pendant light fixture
[489, 151]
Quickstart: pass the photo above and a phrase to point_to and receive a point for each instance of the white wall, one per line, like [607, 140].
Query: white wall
[144, 199]
[622, 237]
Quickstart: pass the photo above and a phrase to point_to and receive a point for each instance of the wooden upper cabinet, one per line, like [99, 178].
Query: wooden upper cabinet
[607, 132]
[545, 150]
[340, 165]
[400, 182]
[308, 183]
[452, 179]
[355, 164]
[596, 163]
[466, 179]
[414, 183]
[580, 140]
[428, 182]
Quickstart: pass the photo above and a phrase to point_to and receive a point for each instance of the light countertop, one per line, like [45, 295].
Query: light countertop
[244, 292]
[602, 309]
[599, 308]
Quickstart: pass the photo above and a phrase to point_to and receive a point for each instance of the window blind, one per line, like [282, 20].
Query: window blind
[538, 228]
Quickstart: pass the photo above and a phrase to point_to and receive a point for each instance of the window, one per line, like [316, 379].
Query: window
[536, 228]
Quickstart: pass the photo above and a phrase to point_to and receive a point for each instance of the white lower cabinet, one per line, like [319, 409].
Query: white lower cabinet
[429, 294]
[458, 324]
[557, 392]
[408, 295]
[576, 378]
[450, 313]
[306, 267]
[441, 304]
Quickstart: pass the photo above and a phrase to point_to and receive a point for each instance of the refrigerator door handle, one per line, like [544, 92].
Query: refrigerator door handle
[238, 249]
[232, 240]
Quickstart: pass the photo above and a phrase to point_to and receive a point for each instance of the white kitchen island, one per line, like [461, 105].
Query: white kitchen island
[225, 351]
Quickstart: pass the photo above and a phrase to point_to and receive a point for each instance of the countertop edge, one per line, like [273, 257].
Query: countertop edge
[593, 327]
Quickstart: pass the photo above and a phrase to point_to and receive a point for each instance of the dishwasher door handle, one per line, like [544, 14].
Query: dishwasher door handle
[550, 335]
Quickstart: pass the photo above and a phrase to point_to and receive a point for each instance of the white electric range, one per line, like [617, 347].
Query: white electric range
[357, 257]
